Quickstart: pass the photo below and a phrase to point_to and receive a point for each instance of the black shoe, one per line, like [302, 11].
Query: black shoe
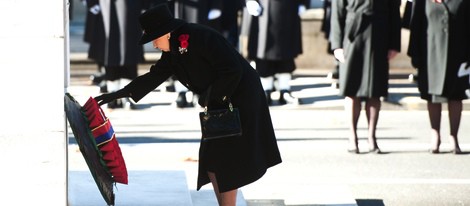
[286, 97]
[170, 88]
[353, 150]
[116, 104]
[96, 79]
[128, 104]
[333, 75]
[375, 150]
[103, 87]
[181, 101]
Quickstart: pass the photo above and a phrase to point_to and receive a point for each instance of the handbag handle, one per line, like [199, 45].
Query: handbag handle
[206, 101]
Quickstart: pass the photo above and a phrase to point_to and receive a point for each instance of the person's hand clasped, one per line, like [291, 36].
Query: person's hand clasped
[339, 55]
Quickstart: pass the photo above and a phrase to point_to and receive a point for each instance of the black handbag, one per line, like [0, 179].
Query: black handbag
[220, 123]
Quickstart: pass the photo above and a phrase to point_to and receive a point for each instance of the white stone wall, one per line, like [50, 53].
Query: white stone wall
[33, 78]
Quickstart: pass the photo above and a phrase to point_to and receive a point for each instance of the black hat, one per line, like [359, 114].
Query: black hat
[156, 22]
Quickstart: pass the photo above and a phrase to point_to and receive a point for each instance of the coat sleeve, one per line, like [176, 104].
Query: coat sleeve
[337, 23]
[146, 83]
[467, 30]
[417, 42]
[395, 25]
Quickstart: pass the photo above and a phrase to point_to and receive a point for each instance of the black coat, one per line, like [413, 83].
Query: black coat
[325, 24]
[439, 43]
[276, 33]
[211, 61]
[196, 11]
[366, 30]
[109, 50]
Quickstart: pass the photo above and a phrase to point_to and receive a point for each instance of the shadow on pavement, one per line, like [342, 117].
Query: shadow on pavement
[371, 202]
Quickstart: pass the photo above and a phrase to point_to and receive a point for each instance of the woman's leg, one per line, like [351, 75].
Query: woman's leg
[455, 113]
[228, 198]
[434, 111]
[352, 106]
[372, 111]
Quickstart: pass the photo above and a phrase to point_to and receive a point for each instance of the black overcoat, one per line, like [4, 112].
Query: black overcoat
[276, 33]
[114, 32]
[196, 11]
[439, 43]
[366, 30]
[94, 33]
[210, 60]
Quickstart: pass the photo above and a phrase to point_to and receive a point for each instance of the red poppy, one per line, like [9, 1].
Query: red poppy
[183, 38]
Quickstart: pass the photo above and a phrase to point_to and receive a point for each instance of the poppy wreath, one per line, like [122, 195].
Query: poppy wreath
[106, 141]
[183, 38]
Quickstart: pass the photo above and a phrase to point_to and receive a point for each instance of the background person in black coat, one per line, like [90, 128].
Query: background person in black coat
[365, 35]
[274, 41]
[439, 44]
[229, 26]
[113, 34]
[201, 57]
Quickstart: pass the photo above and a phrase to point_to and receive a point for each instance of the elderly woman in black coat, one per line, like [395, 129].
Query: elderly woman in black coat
[365, 35]
[201, 58]
[439, 45]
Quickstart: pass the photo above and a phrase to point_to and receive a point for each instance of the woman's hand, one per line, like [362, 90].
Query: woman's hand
[339, 55]
[109, 97]
[106, 98]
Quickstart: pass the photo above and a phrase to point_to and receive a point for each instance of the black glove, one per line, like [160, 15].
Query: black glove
[109, 97]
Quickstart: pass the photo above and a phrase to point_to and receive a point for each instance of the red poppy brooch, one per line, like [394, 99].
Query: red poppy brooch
[183, 38]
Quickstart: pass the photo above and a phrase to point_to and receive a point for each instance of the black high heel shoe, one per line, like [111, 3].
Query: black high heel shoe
[434, 151]
[375, 150]
[353, 150]
[435, 146]
[457, 150]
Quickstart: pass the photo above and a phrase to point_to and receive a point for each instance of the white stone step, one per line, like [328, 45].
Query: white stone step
[206, 197]
[145, 188]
